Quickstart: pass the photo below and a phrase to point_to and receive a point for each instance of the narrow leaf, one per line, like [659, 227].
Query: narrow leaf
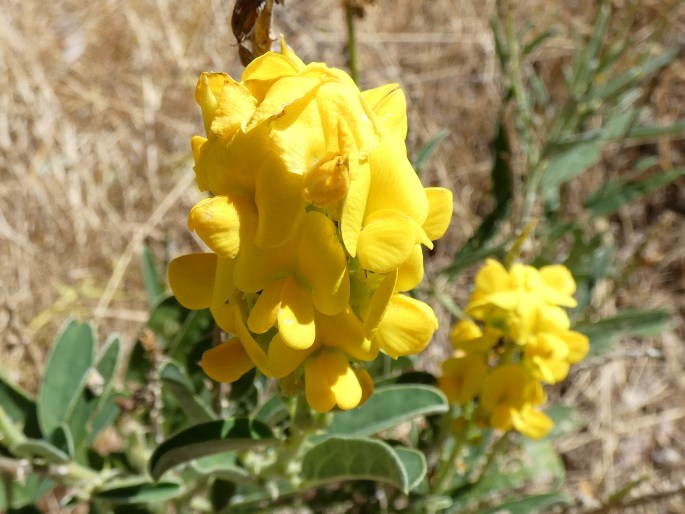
[66, 372]
[151, 281]
[529, 504]
[387, 408]
[345, 458]
[630, 321]
[207, 439]
[616, 193]
[429, 149]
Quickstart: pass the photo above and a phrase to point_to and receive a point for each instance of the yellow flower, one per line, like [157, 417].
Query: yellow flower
[553, 347]
[315, 222]
[510, 397]
[388, 214]
[510, 300]
[469, 338]
[462, 378]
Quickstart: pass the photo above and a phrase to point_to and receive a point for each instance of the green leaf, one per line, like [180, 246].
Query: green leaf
[529, 504]
[66, 372]
[428, 149]
[175, 379]
[654, 131]
[629, 321]
[568, 165]
[388, 407]
[347, 458]
[221, 465]
[271, 411]
[616, 193]
[139, 491]
[38, 448]
[15, 401]
[207, 439]
[633, 76]
[151, 281]
[107, 413]
[414, 463]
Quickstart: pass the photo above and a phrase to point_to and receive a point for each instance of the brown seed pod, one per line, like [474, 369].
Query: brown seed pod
[245, 14]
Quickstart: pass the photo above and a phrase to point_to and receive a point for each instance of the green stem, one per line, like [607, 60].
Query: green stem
[352, 61]
[288, 462]
[523, 115]
[446, 465]
[496, 449]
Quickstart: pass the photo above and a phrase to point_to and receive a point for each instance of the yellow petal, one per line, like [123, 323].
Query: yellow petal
[407, 326]
[462, 378]
[296, 316]
[191, 278]
[317, 385]
[532, 423]
[224, 287]
[251, 346]
[379, 303]
[492, 277]
[355, 204]
[264, 313]
[560, 285]
[394, 183]
[463, 331]
[345, 332]
[329, 380]
[322, 262]
[284, 94]
[439, 212]
[255, 268]
[347, 125]
[284, 359]
[279, 201]
[386, 241]
[366, 383]
[217, 221]
[390, 106]
[196, 143]
[287, 52]
[410, 272]
[236, 105]
[578, 346]
[207, 91]
[260, 74]
[226, 362]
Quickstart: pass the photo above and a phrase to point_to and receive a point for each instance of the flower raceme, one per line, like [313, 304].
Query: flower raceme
[519, 336]
[315, 220]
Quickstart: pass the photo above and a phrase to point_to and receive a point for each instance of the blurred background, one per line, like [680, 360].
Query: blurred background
[96, 115]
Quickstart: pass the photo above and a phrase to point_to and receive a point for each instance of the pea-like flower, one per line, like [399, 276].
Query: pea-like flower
[315, 222]
[518, 336]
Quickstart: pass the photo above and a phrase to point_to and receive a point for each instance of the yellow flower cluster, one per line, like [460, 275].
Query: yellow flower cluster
[524, 339]
[315, 222]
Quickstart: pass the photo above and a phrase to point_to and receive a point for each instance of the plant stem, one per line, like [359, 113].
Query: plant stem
[523, 115]
[446, 465]
[352, 61]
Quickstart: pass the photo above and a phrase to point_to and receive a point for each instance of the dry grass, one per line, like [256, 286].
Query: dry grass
[95, 119]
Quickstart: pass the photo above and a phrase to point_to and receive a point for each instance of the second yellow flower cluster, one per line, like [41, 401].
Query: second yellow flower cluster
[524, 339]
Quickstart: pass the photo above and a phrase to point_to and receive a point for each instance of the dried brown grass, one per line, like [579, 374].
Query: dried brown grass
[95, 119]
